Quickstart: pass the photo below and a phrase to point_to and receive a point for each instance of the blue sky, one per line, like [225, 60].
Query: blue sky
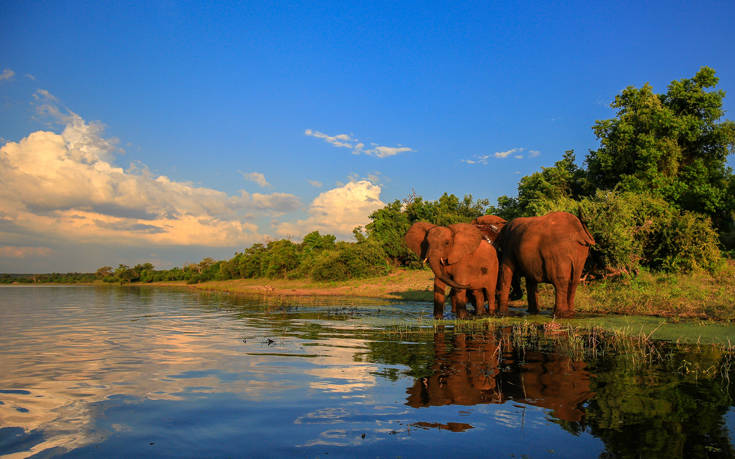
[170, 131]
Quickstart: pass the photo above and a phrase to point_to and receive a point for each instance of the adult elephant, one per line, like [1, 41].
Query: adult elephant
[415, 239]
[462, 254]
[549, 249]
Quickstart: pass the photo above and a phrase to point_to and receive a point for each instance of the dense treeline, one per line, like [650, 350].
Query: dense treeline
[55, 278]
[656, 194]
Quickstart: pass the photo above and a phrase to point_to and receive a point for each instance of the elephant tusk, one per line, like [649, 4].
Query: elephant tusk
[425, 260]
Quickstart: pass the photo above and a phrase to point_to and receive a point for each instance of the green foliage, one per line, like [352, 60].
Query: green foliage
[283, 257]
[632, 230]
[684, 243]
[671, 145]
[351, 261]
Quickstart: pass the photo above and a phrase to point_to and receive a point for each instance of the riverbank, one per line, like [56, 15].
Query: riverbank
[675, 296]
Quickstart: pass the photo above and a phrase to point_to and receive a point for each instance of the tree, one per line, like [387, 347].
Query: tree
[671, 145]
[282, 258]
[103, 272]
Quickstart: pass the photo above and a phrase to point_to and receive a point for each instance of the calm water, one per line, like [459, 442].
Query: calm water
[123, 372]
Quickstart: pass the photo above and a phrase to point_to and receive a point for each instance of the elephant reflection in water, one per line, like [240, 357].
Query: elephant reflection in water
[479, 368]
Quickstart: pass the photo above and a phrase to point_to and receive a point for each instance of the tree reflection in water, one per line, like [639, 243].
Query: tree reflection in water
[670, 403]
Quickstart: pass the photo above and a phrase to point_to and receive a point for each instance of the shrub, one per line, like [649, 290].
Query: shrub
[684, 243]
[351, 261]
[632, 229]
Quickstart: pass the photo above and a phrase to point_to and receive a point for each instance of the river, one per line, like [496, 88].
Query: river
[128, 371]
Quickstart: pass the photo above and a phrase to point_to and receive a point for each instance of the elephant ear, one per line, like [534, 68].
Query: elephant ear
[466, 240]
[415, 238]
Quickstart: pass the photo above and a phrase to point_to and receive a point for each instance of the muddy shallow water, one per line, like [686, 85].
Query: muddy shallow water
[122, 372]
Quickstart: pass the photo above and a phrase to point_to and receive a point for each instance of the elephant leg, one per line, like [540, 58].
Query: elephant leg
[439, 298]
[461, 303]
[532, 287]
[453, 299]
[561, 308]
[480, 301]
[516, 292]
[492, 305]
[570, 298]
[506, 277]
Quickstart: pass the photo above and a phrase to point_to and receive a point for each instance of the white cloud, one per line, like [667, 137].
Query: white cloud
[6, 75]
[10, 251]
[256, 177]
[66, 186]
[338, 140]
[315, 183]
[337, 211]
[30, 77]
[505, 154]
[516, 152]
[357, 147]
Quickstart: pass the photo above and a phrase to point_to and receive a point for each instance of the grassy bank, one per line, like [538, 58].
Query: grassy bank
[697, 295]
[401, 284]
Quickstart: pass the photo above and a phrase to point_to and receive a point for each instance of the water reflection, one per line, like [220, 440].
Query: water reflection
[129, 372]
[485, 367]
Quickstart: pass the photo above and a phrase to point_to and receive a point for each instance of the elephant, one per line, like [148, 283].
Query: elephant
[490, 225]
[461, 254]
[494, 223]
[415, 239]
[549, 249]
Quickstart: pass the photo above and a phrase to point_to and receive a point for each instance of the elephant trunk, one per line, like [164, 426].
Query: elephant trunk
[436, 267]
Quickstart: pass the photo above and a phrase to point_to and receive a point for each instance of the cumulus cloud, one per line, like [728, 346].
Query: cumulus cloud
[10, 251]
[256, 177]
[66, 185]
[6, 75]
[357, 147]
[337, 211]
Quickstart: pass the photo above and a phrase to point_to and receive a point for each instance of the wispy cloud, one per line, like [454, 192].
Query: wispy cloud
[339, 140]
[505, 154]
[256, 177]
[357, 147]
[6, 75]
[315, 183]
[516, 153]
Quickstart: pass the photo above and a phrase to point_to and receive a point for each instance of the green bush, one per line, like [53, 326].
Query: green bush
[351, 261]
[684, 243]
[633, 230]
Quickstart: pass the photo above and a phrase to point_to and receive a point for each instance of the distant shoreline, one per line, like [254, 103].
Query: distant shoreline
[673, 296]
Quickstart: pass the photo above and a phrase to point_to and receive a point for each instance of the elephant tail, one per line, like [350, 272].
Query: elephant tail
[587, 239]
